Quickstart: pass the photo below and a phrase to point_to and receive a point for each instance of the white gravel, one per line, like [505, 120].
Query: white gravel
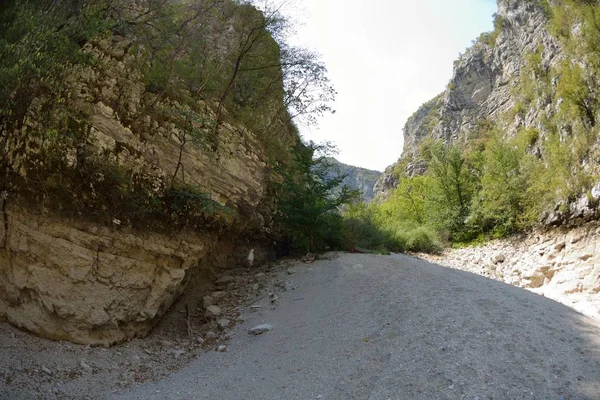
[358, 327]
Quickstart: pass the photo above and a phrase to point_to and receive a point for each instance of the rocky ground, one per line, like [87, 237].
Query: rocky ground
[348, 327]
[563, 265]
[36, 368]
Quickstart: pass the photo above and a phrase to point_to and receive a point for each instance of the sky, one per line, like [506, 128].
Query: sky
[385, 58]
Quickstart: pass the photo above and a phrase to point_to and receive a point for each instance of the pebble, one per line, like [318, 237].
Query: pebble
[221, 348]
[207, 301]
[224, 280]
[223, 323]
[218, 295]
[260, 329]
[85, 366]
[210, 335]
[177, 352]
[290, 272]
[46, 370]
[213, 311]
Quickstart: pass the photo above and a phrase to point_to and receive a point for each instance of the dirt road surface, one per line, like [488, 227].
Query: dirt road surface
[393, 327]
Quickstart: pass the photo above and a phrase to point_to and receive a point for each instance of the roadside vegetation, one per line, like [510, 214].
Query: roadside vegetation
[497, 184]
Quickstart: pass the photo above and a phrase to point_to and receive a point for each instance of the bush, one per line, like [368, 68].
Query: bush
[423, 240]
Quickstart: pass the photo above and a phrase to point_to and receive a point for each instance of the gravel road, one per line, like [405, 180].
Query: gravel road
[394, 327]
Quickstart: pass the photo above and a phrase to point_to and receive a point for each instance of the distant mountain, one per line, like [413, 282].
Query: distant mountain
[358, 178]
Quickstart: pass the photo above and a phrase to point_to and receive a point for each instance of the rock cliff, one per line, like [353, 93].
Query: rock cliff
[357, 178]
[482, 86]
[107, 216]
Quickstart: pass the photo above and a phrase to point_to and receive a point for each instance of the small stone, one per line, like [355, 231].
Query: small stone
[320, 396]
[499, 258]
[213, 311]
[260, 274]
[46, 370]
[199, 340]
[290, 272]
[221, 348]
[223, 323]
[255, 286]
[166, 343]
[224, 280]
[210, 335]
[273, 298]
[177, 352]
[207, 301]
[260, 329]
[85, 366]
[255, 307]
[218, 295]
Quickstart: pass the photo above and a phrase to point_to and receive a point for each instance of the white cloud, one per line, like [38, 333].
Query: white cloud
[385, 58]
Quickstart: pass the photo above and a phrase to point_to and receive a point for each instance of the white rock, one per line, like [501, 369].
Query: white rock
[46, 370]
[218, 295]
[223, 323]
[260, 329]
[207, 301]
[499, 258]
[222, 348]
[213, 311]
[85, 366]
[210, 335]
[224, 280]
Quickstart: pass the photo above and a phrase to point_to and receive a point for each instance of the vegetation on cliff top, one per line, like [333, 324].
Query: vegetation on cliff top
[202, 64]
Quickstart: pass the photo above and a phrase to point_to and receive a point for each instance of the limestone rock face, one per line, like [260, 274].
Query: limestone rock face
[480, 88]
[87, 283]
[356, 178]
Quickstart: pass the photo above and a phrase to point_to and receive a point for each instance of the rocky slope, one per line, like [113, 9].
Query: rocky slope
[105, 264]
[562, 265]
[357, 178]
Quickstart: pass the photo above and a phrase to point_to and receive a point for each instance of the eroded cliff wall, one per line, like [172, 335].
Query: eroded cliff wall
[105, 261]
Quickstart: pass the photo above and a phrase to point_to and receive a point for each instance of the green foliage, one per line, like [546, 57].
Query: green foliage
[500, 202]
[452, 189]
[489, 38]
[39, 41]
[307, 207]
[421, 239]
[361, 230]
[409, 200]
[197, 59]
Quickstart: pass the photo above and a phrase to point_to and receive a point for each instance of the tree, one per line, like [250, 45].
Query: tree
[453, 188]
[307, 210]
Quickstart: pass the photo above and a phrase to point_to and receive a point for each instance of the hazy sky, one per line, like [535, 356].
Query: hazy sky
[385, 58]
